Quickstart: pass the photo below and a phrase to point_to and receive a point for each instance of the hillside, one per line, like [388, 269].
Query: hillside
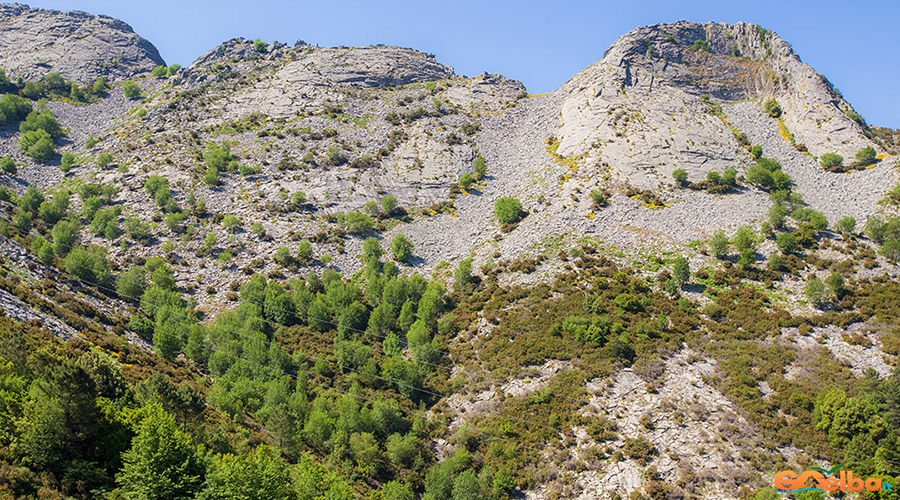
[349, 272]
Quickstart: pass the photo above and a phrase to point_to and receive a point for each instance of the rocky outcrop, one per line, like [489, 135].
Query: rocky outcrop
[649, 105]
[77, 45]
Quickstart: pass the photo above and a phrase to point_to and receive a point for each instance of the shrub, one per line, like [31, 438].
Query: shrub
[719, 244]
[772, 108]
[304, 251]
[90, 142]
[777, 215]
[37, 144]
[371, 207]
[231, 222]
[600, 197]
[132, 283]
[283, 257]
[729, 177]
[745, 239]
[258, 229]
[171, 70]
[479, 168]
[890, 250]
[41, 121]
[211, 178]
[681, 271]
[358, 223]
[815, 218]
[159, 71]
[466, 181]
[67, 161]
[845, 226]
[22, 220]
[13, 108]
[463, 274]
[713, 177]
[831, 160]
[388, 203]
[816, 292]
[131, 90]
[65, 234]
[104, 160]
[508, 210]
[401, 247]
[680, 176]
[260, 46]
[756, 151]
[786, 243]
[866, 156]
[8, 165]
[299, 199]
[88, 264]
[776, 263]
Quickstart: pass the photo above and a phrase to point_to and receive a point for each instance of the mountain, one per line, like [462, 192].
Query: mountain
[77, 45]
[344, 272]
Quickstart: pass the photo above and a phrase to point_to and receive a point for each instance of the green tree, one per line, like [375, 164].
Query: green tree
[508, 210]
[866, 156]
[65, 234]
[772, 108]
[745, 239]
[37, 144]
[845, 226]
[401, 247]
[718, 244]
[396, 490]
[131, 90]
[358, 223]
[831, 160]
[777, 216]
[463, 273]
[816, 292]
[67, 161]
[681, 271]
[304, 251]
[786, 243]
[8, 165]
[162, 463]
[479, 167]
[132, 283]
[260, 475]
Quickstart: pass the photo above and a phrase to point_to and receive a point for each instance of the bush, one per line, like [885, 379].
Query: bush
[463, 274]
[401, 247]
[681, 271]
[845, 226]
[890, 250]
[466, 181]
[8, 165]
[88, 264]
[358, 223]
[816, 292]
[479, 168]
[815, 218]
[866, 156]
[371, 207]
[718, 244]
[159, 71]
[756, 151]
[772, 108]
[745, 239]
[831, 160]
[13, 108]
[131, 90]
[388, 203]
[231, 222]
[67, 161]
[600, 197]
[37, 144]
[776, 263]
[777, 215]
[41, 121]
[680, 176]
[304, 251]
[90, 142]
[508, 210]
[786, 243]
[299, 199]
[104, 160]
[260, 46]
[283, 257]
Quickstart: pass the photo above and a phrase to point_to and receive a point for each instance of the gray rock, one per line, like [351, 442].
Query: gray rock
[77, 45]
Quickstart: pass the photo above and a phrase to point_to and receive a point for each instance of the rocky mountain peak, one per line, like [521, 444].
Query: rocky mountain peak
[77, 45]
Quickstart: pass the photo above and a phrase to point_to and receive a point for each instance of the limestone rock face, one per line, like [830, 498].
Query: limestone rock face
[649, 105]
[77, 45]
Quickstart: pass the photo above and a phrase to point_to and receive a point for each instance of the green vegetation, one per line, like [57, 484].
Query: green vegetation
[772, 108]
[401, 247]
[131, 90]
[866, 156]
[508, 210]
[680, 176]
[831, 160]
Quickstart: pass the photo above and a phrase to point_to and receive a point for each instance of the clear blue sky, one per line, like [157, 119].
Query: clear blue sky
[541, 44]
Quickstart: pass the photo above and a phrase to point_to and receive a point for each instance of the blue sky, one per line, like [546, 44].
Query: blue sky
[539, 43]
